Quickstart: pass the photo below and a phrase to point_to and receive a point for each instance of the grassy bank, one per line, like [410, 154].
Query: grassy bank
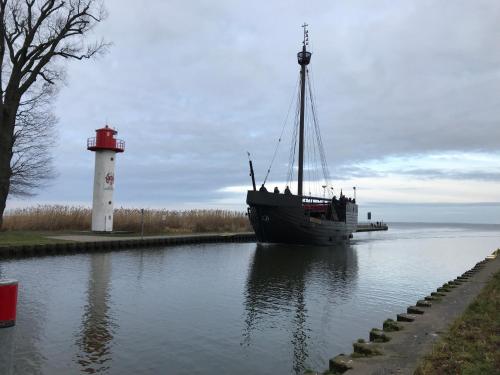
[17, 238]
[472, 345]
[70, 218]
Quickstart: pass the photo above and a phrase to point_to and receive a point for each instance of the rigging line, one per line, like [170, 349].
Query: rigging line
[314, 155]
[291, 158]
[309, 146]
[306, 149]
[307, 137]
[290, 149]
[317, 148]
[281, 135]
[324, 163]
[313, 161]
[321, 155]
[317, 161]
[317, 130]
[293, 145]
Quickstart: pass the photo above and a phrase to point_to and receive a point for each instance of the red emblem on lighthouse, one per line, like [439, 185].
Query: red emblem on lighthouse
[110, 179]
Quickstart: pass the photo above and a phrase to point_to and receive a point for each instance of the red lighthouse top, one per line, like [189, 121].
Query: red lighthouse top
[105, 140]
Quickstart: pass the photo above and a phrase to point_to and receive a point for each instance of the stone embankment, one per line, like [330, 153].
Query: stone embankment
[400, 344]
[85, 243]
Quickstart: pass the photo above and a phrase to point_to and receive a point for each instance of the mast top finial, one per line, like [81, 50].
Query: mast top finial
[305, 42]
[304, 57]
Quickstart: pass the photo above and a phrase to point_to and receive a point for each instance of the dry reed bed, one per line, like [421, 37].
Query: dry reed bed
[58, 218]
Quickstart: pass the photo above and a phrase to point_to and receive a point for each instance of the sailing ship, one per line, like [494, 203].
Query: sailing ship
[298, 218]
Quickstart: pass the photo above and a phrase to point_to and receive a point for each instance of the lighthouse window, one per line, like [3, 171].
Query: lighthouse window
[109, 202]
[112, 159]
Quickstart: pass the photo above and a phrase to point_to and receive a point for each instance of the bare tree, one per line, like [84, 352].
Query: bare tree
[34, 36]
[34, 135]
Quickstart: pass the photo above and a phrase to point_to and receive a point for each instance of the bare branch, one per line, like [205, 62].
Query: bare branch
[34, 137]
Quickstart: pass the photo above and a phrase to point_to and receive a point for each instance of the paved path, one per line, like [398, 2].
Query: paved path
[406, 348]
[91, 237]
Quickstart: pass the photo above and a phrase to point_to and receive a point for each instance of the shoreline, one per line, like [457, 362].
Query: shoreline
[401, 345]
[56, 243]
[84, 244]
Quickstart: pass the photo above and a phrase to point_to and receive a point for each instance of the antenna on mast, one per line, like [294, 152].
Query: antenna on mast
[305, 42]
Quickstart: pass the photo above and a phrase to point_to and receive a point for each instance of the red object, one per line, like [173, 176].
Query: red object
[105, 140]
[316, 207]
[8, 303]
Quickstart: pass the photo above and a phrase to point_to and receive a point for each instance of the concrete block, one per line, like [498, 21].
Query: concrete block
[423, 303]
[340, 364]
[443, 290]
[377, 335]
[438, 294]
[366, 349]
[391, 326]
[414, 310]
[406, 317]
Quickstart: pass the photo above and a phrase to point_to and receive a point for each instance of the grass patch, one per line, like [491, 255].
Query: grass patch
[9, 238]
[472, 345]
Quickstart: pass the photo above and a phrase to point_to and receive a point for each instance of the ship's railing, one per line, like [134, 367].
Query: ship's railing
[310, 199]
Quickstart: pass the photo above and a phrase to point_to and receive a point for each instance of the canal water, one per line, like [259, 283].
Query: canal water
[225, 308]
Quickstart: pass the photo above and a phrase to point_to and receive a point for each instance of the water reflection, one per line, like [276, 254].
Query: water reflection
[277, 282]
[97, 328]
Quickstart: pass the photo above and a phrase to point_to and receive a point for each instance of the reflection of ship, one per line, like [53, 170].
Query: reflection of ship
[96, 334]
[301, 219]
[276, 287]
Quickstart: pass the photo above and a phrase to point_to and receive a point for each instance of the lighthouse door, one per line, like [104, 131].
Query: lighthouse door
[108, 223]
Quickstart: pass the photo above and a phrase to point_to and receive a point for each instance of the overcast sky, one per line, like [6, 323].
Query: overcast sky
[408, 100]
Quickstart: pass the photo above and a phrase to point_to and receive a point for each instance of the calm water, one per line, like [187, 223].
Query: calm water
[225, 308]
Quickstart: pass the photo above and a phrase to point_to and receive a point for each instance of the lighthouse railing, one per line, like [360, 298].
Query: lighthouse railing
[91, 142]
[119, 144]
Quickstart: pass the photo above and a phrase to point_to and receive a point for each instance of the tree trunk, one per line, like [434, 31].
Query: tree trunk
[7, 122]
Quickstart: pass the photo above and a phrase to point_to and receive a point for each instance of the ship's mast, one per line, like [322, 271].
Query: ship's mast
[303, 58]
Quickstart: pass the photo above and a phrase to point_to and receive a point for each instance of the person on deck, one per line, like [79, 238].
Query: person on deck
[263, 188]
[276, 190]
[287, 191]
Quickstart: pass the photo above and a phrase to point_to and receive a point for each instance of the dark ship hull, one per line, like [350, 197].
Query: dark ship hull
[282, 218]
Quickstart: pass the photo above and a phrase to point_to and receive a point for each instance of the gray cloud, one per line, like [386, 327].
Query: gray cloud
[436, 173]
[348, 171]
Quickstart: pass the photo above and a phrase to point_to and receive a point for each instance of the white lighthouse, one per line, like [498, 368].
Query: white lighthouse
[105, 146]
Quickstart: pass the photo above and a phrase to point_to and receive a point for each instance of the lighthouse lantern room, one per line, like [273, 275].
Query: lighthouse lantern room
[105, 146]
